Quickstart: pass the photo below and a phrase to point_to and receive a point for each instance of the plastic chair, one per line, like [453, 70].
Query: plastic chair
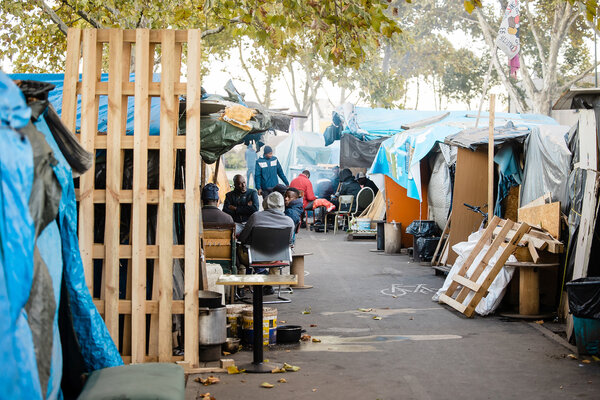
[344, 210]
[270, 248]
[363, 199]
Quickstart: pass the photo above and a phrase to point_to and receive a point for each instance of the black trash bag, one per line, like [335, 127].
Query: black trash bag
[423, 228]
[425, 247]
[584, 297]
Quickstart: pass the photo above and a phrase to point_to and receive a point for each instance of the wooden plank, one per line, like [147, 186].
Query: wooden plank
[461, 280]
[143, 64]
[168, 116]
[540, 201]
[470, 187]
[547, 216]
[529, 291]
[92, 60]
[452, 303]
[128, 88]
[490, 186]
[129, 35]
[126, 196]
[127, 142]
[113, 184]
[435, 260]
[150, 306]
[71, 78]
[485, 285]
[125, 251]
[491, 251]
[485, 237]
[193, 217]
[532, 250]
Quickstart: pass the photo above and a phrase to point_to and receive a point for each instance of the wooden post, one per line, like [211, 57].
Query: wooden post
[491, 157]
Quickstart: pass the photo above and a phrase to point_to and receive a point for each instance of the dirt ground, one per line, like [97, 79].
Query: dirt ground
[418, 349]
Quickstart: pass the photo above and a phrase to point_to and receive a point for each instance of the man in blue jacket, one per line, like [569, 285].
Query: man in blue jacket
[267, 169]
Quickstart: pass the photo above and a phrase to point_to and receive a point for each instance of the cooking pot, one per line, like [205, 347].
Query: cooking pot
[207, 298]
[289, 333]
[212, 325]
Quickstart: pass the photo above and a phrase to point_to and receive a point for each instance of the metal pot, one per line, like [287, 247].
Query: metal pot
[289, 333]
[207, 298]
[212, 325]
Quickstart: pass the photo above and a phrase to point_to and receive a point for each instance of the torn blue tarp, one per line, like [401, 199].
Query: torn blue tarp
[19, 378]
[97, 347]
[510, 174]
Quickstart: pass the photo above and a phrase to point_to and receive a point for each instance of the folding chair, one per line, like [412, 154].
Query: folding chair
[344, 210]
[270, 248]
[363, 199]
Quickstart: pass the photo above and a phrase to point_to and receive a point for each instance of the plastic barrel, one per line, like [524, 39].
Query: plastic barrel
[269, 326]
[234, 318]
[587, 335]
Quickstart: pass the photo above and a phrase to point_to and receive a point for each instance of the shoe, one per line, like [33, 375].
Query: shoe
[267, 290]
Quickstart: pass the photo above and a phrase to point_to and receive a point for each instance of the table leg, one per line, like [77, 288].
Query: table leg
[257, 365]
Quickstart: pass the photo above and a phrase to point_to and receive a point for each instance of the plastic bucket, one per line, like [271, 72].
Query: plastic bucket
[587, 335]
[269, 326]
[234, 319]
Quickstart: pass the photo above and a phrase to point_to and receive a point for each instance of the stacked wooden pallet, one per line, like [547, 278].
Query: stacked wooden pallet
[85, 49]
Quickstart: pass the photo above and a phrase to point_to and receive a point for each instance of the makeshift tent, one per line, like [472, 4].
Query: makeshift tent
[42, 284]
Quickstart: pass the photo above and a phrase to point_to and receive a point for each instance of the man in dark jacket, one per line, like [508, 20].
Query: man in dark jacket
[363, 181]
[267, 170]
[349, 185]
[293, 205]
[241, 202]
[211, 215]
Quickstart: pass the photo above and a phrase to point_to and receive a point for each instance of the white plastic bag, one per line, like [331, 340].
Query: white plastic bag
[496, 291]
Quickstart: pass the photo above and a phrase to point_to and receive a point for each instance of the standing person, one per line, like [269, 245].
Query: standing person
[267, 171]
[302, 182]
[241, 202]
[210, 208]
[251, 158]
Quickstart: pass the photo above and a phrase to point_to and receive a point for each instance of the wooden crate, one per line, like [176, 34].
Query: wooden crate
[146, 323]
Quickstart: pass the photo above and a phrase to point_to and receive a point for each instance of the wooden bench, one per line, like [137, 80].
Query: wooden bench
[297, 268]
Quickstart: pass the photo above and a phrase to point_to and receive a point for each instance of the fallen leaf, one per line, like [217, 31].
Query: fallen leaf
[289, 367]
[315, 340]
[287, 351]
[277, 370]
[266, 360]
[314, 390]
[586, 361]
[540, 322]
[205, 396]
[572, 356]
[211, 380]
[365, 309]
[243, 381]
[596, 358]
[282, 380]
[377, 318]
[305, 338]
[313, 325]
[282, 321]
[226, 353]
[233, 369]
[307, 311]
[394, 296]
[561, 386]
[266, 385]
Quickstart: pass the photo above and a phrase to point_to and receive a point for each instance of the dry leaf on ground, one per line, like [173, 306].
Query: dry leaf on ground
[205, 396]
[289, 367]
[377, 318]
[266, 385]
[572, 356]
[211, 380]
[233, 369]
[282, 380]
[313, 325]
[540, 322]
[277, 370]
[365, 309]
[305, 338]
[315, 340]
[586, 361]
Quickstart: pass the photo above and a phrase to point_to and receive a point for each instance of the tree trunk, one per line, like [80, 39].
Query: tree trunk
[417, 100]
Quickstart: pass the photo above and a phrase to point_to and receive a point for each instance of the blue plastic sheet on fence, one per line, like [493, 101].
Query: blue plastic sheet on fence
[97, 347]
[55, 97]
[19, 378]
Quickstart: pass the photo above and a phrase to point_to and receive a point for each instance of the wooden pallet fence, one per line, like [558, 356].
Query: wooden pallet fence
[138, 316]
[469, 283]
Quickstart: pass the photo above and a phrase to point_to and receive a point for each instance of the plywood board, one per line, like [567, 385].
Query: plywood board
[470, 186]
[546, 216]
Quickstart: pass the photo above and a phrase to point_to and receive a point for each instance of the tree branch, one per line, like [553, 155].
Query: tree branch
[577, 78]
[53, 16]
[87, 17]
[529, 85]
[492, 45]
[251, 79]
[219, 29]
[536, 37]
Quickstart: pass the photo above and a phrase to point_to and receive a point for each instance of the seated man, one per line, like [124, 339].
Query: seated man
[241, 202]
[348, 186]
[293, 205]
[363, 181]
[271, 217]
[211, 215]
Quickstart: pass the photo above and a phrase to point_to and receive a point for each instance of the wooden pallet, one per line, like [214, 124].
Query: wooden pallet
[469, 284]
[441, 249]
[85, 49]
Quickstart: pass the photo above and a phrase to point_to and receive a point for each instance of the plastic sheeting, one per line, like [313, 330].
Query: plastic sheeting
[439, 193]
[489, 303]
[19, 379]
[510, 174]
[355, 153]
[98, 349]
[547, 164]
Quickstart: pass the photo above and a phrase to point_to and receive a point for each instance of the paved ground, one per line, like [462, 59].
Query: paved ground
[418, 350]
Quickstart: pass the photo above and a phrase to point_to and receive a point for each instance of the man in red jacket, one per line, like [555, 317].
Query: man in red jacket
[302, 182]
